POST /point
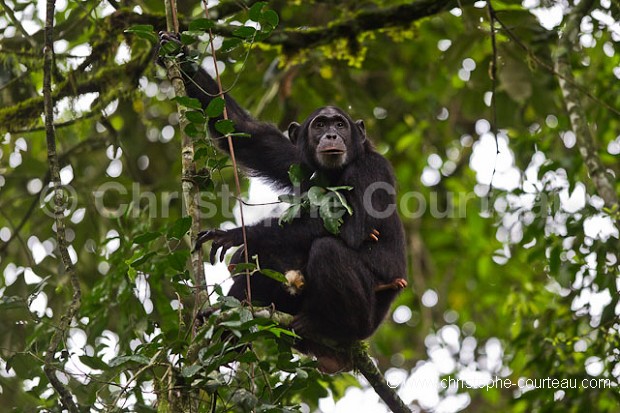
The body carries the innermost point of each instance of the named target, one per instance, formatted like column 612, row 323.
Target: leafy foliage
column 517, row 281
column 325, row 202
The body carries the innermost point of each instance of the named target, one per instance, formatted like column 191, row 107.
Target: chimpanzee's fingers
column 224, row 251
column 203, row 236
column 213, row 253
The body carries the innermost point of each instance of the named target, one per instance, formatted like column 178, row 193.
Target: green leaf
column 244, row 32
column 192, row 131
column 177, row 260
column 256, row 11
column 274, row 275
column 343, row 202
column 289, row 198
column 330, row 207
column 316, row 195
column 272, row 18
column 225, row 126
column 243, row 267
column 195, row 116
column 295, row 174
column 201, row 153
column 136, row 358
column 291, row 213
column 94, row 362
column 180, row 227
column 190, row 371
column 230, row 44
column 201, row 24
column 141, row 260
column 132, row 273
column 191, row 103
column 170, row 49
column 215, row 107
column 146, row 237
column 332, row 224
column 339, row 188
column 188, row 38
column 144, row 31
column 554, row 260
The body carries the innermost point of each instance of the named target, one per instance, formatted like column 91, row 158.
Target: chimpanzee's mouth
column 332, row 151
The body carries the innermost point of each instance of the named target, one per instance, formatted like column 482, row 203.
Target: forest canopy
column 501, row 120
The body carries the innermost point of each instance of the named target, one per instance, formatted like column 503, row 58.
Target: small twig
column 66, row 397
column 550, row 68
column 231, row 149
column 91, row 142
column 493, row 76
column 16, row 22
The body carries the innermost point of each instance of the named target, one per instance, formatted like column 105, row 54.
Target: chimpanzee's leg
column 339, row 301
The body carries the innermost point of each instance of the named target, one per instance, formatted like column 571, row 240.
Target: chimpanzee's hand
column 164, row 39
column 221, row 239
column 167, row 37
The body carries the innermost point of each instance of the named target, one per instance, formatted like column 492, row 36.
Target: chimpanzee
column 350, row 278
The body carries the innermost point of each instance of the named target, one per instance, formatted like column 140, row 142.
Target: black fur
column 341, row 272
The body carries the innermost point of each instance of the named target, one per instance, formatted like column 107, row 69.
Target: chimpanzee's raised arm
column 266, row 152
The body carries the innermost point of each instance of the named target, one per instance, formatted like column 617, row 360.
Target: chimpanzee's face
column 328, row 138
column 329, row 133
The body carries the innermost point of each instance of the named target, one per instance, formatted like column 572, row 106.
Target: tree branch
column 190, row 189
column 585, row 141
column 26, row 113
column 364, row 364
column 66, row 398
column 363, row 21
column 17, row 23
column 361, row 360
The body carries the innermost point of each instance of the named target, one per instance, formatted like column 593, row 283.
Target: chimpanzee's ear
column 362, row 128
column 293, row 132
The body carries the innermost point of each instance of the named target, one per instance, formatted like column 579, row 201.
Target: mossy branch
column 26, row 113
column 191, row 195
column 579, row 122
column 358, row 350
column 49, row 367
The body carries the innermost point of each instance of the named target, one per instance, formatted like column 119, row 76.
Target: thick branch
column 66, row 397
column 25, row 113
column 364, row 364
column 365, row 20
column 585, row 141
column 361, row 360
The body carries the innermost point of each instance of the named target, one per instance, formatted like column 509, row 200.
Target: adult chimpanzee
column 350, row 278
